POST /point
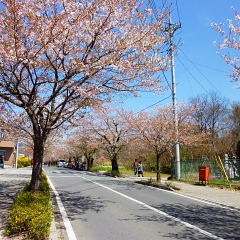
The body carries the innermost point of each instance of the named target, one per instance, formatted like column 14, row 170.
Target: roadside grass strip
column 66, row 221
column 157, row 211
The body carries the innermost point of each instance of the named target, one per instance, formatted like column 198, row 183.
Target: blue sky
column 199, row 69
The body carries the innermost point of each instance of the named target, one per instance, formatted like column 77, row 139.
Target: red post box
column 204, row 174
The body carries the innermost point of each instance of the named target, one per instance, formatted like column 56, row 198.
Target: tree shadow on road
column 78, row 205
column 221, row 222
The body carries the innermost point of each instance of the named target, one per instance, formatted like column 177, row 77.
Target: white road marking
column 171, row 192
column 196, row 199
column 157, row 211
column 66, row 221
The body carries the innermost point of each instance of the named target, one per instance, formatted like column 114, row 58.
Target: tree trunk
column 89, row 162
column 115, row 169
column 158, row 167
column 38, row 152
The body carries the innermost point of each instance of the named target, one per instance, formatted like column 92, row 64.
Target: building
column 8, row 151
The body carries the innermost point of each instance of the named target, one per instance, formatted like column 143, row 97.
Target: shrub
column 166, row 168
column 23, row 162
column 31, row 213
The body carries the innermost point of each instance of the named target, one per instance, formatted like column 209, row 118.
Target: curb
column 154, row 185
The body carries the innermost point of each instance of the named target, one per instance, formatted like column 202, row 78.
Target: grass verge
column 31, row 213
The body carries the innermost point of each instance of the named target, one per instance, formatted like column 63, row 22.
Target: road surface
column 97, row 207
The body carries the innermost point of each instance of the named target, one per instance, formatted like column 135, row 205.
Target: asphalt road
column 104, row 208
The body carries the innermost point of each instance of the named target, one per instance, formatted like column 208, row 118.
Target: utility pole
column 172, row 29
column 17, row 149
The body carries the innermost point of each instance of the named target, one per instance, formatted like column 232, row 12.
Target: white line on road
column 196, row 199
column 171, row 192
column 66, row 221
column 157, row 211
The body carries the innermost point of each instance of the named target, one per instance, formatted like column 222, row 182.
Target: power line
column 179, row 20
column 194, row 65
column 193, row 77
column 154, row 104
column 200, row 64
column 169, row 85
column 163, row 4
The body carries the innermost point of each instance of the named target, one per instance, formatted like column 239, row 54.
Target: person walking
column 140, row 169
column 135, row 167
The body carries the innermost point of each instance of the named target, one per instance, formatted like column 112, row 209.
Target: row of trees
column 116, row 131
column 209, row 125
column 60, row 58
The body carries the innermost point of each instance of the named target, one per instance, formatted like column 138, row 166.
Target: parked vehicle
column 2, row 161
column 65, row 164
column 60, row 163
column 71, row 165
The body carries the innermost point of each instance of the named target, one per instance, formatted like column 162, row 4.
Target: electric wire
column 169, row 85
column 179, row 19
column 154, row 104
column 193, row 77
column 163, row 4
column 204, row 76
column 200, row 64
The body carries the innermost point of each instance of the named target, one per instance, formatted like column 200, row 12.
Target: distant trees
column 208, row 126
column 234, row 134
column 82, row 143
column 210, row 110
column 116, row 131
column 112, row 132
column 156, row 129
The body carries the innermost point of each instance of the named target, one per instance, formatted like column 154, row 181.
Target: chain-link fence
column 190, row 169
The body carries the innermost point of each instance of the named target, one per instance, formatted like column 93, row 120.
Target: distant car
column 61, row 163
column 65, row 164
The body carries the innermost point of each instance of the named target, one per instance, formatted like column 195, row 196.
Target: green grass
column 123, row 171
column 146, row 174
column 31, row 213
column 216, row 182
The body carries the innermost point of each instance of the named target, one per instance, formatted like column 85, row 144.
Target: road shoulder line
column 66, row 221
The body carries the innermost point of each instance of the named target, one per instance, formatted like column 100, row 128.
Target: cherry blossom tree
column 231, row 43
column 157, row 130
column 59, row 57
column 112, row 132
column 83, row 143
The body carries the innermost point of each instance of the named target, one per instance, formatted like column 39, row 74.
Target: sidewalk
column 12, row 181
column 225, row 197
column 229, row 198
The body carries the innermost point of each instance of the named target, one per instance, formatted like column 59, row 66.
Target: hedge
column 31, row 213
